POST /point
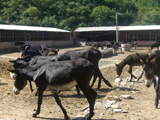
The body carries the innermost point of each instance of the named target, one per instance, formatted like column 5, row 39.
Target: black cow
column 60, row 75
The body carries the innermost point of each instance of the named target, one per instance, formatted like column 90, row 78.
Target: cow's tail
column 100, row 75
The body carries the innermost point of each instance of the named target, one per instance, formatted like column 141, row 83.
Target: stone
column 117, row 80
column 124, row 111
column 132, row 84
column 106, row 52
column 80, row 117
column 126, row 96
column 102, row 114
column 85, row 108
column 117, row 110
column 115, row 106
column 113, row 98
column 108, row 104
column 98, row 105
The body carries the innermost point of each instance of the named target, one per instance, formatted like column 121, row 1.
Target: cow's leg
column 60, row 104
column 40, row 96
column 157, row 91
column 90, row 94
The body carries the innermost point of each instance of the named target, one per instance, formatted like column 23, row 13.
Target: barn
column 52, row 37
column 143, row 35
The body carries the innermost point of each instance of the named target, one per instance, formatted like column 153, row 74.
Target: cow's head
column 20, row 81
column 150, row 66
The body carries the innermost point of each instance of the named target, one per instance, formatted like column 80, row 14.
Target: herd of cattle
column 54, row 72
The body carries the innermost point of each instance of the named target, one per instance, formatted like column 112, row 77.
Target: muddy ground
column 21, row 107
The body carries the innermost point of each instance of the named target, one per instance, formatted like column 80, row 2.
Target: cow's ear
column 154, row 60
column 13, row 71
column 143, row 60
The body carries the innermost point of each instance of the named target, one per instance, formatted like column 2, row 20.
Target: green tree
column 48, row 22
column 101, row 15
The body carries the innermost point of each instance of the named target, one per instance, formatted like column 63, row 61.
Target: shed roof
column 145, row 27
column 30, row 28
column 120, row 28
column 87, row 29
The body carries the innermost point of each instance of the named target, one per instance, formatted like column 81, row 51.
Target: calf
column 131, row 60
column 151, row 68
column 60, row 75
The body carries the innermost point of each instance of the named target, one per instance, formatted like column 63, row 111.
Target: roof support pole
column 117, row 26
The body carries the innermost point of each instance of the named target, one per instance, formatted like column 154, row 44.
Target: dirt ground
column 21, row 107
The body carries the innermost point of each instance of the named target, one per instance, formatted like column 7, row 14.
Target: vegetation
column 70, row 14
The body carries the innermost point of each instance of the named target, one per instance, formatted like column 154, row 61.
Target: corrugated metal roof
column 87, row 29
column 30, row 28
column 145, row 27
column 120, row 28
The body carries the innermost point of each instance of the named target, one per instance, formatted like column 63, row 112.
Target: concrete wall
column 49, row 43
column 144, row 43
